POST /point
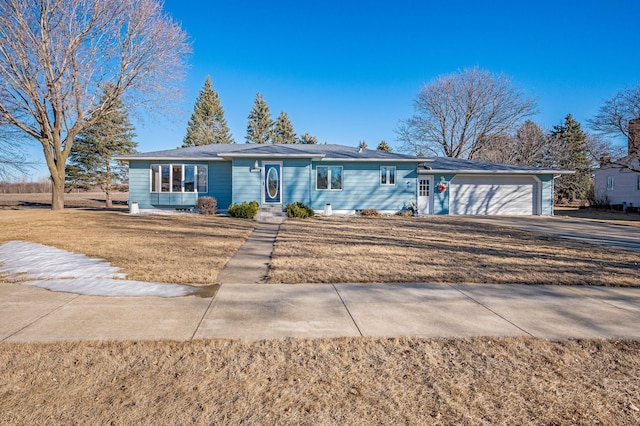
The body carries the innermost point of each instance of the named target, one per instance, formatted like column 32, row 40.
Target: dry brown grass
column 73, row 200
column 440, row 249
column 184, row 248
column 600, row 215
column 479, row 381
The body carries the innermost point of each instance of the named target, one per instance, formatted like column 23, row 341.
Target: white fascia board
column 174, row 159
column 314, row 157
column 374, row 160
column 496, row 172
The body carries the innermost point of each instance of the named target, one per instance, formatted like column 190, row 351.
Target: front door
column 272, row 183
column 425, row 186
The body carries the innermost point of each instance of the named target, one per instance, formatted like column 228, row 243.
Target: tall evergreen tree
column 573, row 155
column 283, row 130
column 384, row 146
column 207, row 124
column 91, row 160
column 259, row 126
column 308, row 139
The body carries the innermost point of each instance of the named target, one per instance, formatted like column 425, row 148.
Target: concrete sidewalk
column 259, row 311
column 250, row 264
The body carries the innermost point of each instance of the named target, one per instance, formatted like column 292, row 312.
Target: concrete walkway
column 250, row 264
column 259, row 311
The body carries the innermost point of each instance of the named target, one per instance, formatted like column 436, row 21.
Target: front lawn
column 179, row 248
column 440, row 249
column 347, row 381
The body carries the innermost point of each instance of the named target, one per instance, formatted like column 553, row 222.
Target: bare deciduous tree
column 457, row 113
column 615, row 119
column 12, row 159
column 57, row 57
column 530, row 146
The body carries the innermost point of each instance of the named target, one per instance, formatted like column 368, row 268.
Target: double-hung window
column 329, row 178
column 387, row 175
column 179, row 178
column 610, row 181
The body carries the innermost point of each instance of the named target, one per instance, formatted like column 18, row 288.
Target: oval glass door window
column 273, row 183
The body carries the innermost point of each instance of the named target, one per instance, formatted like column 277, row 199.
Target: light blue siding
column 246, row 184
column 296, row 181
column 361, row 188
column 139, row 183
column 441, row 199
column 218, row 186
column 547, row 195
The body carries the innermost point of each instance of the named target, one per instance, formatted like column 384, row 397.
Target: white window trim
column 388, row 175
column 610, row 183
column 182, row 167
column 328, row 188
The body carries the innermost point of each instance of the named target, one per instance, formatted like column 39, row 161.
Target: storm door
column 272, row 183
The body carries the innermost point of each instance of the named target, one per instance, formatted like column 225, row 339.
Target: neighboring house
column 618, row 182
column 346, row 178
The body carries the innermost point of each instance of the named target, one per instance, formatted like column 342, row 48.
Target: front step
column 271, row 215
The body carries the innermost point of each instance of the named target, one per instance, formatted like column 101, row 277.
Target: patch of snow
column 60, row 270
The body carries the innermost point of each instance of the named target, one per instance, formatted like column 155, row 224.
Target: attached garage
column 466, row 187
column 494, row 195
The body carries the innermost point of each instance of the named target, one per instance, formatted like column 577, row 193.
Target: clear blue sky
column 347, row 71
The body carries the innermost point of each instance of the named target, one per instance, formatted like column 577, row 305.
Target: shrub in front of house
column 244, row 210
column 299, row 209
column 207, row 205
column 405, row 213
column 370, row 213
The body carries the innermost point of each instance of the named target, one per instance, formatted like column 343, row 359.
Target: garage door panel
column 492, row 196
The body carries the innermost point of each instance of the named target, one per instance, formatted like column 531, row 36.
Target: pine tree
column 259, row 126
column 572, row 156
column 308, row 139
column 384, row 146
column 91, row 160
column 283, row 130
column 207, row 124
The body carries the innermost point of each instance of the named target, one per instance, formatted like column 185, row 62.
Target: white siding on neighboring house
column 617, row 186
column 494, row 195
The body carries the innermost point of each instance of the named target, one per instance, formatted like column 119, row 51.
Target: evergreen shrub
column 299, row 209
column 244, row 210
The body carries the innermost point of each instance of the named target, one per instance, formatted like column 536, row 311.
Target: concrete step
column 271, row 215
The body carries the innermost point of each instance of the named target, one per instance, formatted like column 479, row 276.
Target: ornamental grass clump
column 299, row 209
column 244, row 210
column 207, row 205
column 370, row 213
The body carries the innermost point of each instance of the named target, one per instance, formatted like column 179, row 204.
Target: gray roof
column 225, row 151
column 457, row 165
column 328, row 152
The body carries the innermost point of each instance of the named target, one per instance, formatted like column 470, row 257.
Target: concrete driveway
column 627, row 237
column 258, row 311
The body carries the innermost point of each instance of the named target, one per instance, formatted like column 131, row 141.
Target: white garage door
column 488, row 195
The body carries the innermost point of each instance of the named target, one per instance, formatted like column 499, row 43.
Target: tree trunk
column 57, row 193
column 107, row 186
